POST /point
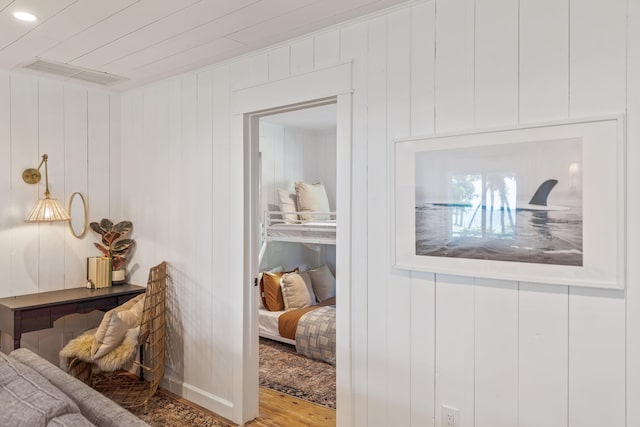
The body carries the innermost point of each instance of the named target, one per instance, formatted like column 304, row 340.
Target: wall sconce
column 47, row 209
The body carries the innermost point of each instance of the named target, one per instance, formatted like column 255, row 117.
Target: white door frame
column 247, row 105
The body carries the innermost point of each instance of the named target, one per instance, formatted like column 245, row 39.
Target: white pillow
column 109, row 335
column 114, row 326
column 312, row 198
column 288, row 204
column 323, row 282
column 296, row 291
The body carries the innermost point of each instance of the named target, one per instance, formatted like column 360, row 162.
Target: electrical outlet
column 450, row 416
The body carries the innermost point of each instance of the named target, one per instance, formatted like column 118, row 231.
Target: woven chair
column 127, row 392
column 130, row 394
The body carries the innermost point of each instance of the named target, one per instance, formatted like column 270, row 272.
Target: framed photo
column 539, row 203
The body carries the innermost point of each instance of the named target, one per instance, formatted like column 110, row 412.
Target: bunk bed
column 278, row 226
column 312, row 328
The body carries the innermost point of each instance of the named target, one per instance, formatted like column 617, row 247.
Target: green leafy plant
column 114, row 245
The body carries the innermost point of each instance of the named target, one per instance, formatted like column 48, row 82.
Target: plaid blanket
column 316, row 334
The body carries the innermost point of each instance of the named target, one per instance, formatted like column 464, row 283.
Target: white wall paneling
column 455, row 67
column 544, row 60
column 455, row 346
column 221, row 175
column 496, row 63
column 98, row 154
column 597, row 87
column 24, row 154
column 498, row 351
column 423, row 304
column 73, row 126
column 543, row 345
column 633, row 205
column 204, row 219
column 496, row 302
column 52, row 236
column 597, row 31
column 423, row 56
column 51, row 124
column 543, row 350
column 354, row 41
column 174, row 245
column 302, row 55
column 399, row 288
column 378, row 267
column 326, row 49
column 279, row 63
column 115, row 155
column 596, row 358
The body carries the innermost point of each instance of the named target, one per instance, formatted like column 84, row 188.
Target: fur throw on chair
column 81, row 356
column 76, row 359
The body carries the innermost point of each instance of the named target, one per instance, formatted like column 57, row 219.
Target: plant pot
column 118, row 277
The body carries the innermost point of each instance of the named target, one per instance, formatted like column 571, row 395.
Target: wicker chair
column 122, row 389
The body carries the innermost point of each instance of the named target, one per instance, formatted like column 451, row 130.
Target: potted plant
column 114, row 245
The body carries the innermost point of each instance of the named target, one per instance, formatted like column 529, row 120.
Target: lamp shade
column 47, row 210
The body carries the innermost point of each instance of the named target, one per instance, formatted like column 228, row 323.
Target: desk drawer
column 36, row 319
column 124, row 298
column 101, row 304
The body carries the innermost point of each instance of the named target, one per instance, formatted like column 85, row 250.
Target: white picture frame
column 463, row 203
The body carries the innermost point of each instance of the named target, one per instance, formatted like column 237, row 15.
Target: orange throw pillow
column 271, row 292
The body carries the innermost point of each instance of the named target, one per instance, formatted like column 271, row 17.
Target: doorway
column 297, row 174
column 311, row 89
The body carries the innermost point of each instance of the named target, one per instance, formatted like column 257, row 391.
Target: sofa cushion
column 70, row 420
column 28, row 399
column 94, row 406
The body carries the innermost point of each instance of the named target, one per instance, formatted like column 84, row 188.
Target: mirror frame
column 84, row 212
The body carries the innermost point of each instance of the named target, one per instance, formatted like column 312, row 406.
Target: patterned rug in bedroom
column 283, row 370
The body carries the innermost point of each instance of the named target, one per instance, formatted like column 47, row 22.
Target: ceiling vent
column 72, row 72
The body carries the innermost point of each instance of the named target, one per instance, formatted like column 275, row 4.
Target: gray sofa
column 33, row 392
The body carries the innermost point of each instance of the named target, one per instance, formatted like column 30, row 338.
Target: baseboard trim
column 200, row 397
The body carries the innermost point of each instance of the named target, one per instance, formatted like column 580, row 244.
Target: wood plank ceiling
column 147, row 40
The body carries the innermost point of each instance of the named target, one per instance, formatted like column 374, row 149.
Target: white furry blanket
column 75, row 357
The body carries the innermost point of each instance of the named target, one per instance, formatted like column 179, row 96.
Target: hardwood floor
column 278, row 409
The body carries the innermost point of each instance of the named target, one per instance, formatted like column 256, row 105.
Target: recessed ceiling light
column 24, row 16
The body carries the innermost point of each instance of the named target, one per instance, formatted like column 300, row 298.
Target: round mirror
column 78, row 212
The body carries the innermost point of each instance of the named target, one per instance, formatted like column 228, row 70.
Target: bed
column 299, row 308
column 304, row 217
column 276, row 229
column 268, row 325
column 312, row 329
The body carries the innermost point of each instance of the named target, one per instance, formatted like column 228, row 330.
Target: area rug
column 166, row 409
column 283, row 370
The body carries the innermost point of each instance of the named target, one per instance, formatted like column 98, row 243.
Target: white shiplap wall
column 290, row 154
column 504, row 353
column 80, row 131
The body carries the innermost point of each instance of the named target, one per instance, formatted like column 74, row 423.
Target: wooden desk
column 27, row 313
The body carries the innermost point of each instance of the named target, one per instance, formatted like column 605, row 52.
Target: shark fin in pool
column 542, row 193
